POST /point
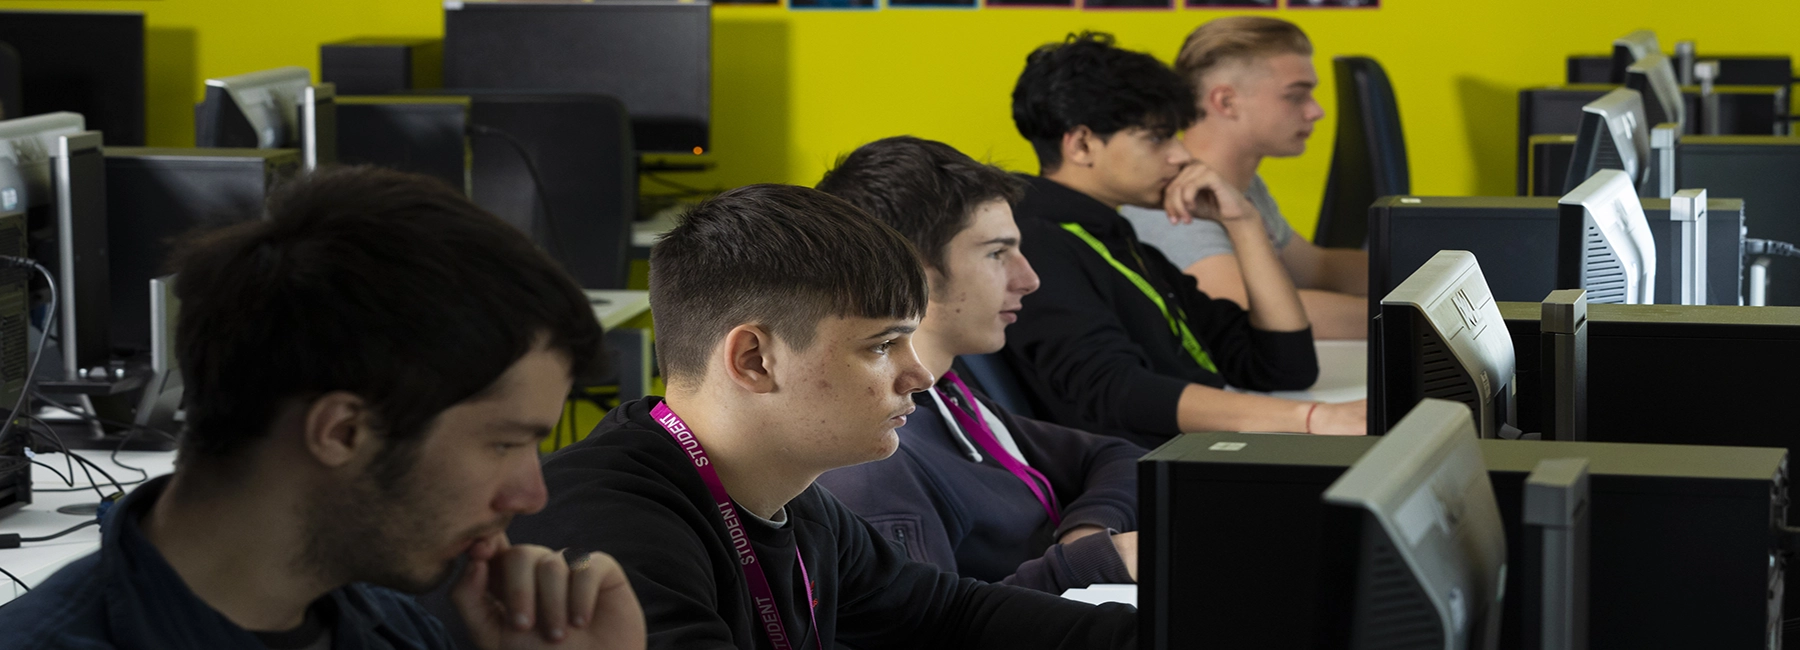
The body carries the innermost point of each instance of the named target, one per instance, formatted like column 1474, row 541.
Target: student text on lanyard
column 768, row 611
column 976, row 427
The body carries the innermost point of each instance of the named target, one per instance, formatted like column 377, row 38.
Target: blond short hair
column 1236, row 38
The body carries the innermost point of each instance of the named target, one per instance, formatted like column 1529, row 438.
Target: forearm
column 1346, row 272
column 1204, row 408
column 1273, row 303
column 1336, row 316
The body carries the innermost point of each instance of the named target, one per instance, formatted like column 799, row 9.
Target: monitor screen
column 1439, row 335
column 1431, row 551
column 1605, row 242
column 1613, row 135
column 655, row 56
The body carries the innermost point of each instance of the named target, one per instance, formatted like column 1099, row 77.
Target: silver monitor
column 1613, row 134
column 1628, row 49
column 279, row 108
column 1653, row 76
column 1604, row 242
column 1431, row 556
column 1441, row 336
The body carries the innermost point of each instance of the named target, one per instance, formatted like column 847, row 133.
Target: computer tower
column 156, row 196
column 374, row 65
column 1233, row 545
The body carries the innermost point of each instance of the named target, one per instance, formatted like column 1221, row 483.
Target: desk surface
column 36, row 562
column 614, row 307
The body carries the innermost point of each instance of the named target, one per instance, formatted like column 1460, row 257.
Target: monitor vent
column 1608, row 156
column 1605, row 275
column 1393, row 611
column 1441, row 376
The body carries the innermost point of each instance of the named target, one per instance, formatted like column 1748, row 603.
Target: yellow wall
column 792, row 89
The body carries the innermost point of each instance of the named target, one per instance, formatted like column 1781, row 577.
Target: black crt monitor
column 1653, row 77
column 1761, row 170
column 1554, row 561
column 160, row 194
column 422, row 134
column 1629, row 49
column 1613, row 135
column 86, row 62
column 1419, row 515
column 279, row 108
column 1604, row 243
column 65, row 180
column 655, row 56
column 1685, row 533
column 1438, row 335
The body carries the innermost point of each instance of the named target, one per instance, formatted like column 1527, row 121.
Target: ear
column 336, row 430
column 1221, row 99
column 748, row 360
column 1079, row 146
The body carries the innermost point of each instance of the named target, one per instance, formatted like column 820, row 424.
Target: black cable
column 1770, row 247
column 60, row 533
column 536, row 181
column 66, row 480
column 15, row 578
column 687, row 190
column 43, row 336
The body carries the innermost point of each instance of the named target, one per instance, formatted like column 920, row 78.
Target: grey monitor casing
column 1432, row 565
column 270, row 101
column 1604, row 241
column 1653, row 76
column 1441, row 336
column 160, row 405
column 1630, row 48
column 1555, row 555
column 1614, row 134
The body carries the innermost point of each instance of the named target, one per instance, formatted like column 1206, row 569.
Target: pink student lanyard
column 767, row 612
column 977, row 428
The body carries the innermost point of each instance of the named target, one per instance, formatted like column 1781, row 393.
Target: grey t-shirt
column 1186, row 244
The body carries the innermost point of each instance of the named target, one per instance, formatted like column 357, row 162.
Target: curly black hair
column 1086, row 80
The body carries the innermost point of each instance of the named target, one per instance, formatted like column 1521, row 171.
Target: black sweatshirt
column 1099, row 356
column 629, row 490
column 979, row 520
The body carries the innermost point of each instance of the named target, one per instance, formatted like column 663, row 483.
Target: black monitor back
column 581, row 145
column 655, row 56
column 1746, row 70
column 420, row 134
column 1514, row 239
column 156, row 196
column 1765, row 173
column 87, row 62
column 1744, row 110
column 1681, row 535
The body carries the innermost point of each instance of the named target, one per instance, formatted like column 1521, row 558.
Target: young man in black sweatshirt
column 784, row 320
column 1117, row 340
column 976, row 489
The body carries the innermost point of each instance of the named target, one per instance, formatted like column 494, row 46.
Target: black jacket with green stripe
column 1097, row 354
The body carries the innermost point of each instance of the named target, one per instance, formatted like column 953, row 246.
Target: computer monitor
column 1554, row 564
column 1612, row 135
column 414, row 133
column 85, row 62
column 279, row 108
column 1628, row 49
column 1430, row 549
column 1653, row 76
column 1761, row 171
column 1604, row 243
column 655, row 56
column 65, row 190
column 1439, row 335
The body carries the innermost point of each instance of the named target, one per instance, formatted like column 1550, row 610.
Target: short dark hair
column 925, row 189
column 1087, row 81
column 779, row 256
column 387, row 285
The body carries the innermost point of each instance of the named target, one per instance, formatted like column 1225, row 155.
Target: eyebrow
column 520, row 426
column 1009, row 241
column 895, row 329
column 1303, row 84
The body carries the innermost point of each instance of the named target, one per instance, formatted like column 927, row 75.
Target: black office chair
column 993, row 376
column 11, row 92
column 1368, row 160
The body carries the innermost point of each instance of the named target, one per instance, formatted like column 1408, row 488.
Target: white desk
column 1343, row 374
column 614, row 307
column 36, row 562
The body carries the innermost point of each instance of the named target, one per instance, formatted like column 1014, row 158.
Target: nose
column 1314, row 111
column 1024, row 278
column 913, row 376
column 1178, row 154
column 523, row 491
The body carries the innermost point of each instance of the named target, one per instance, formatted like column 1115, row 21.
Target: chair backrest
column 992, row 375
column 1368, row 160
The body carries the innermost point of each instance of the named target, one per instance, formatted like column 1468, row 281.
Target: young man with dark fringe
column 1117, row 340
column 1253, row 81
column 784, row 321
column 368, row 372
column 974, row 488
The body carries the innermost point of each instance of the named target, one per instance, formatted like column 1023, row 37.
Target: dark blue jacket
column 126, row 596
